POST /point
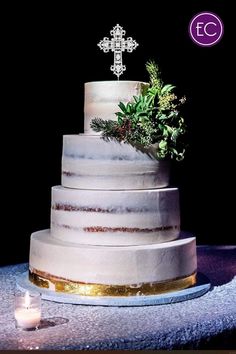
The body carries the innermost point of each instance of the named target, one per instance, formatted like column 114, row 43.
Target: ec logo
column 206, row 29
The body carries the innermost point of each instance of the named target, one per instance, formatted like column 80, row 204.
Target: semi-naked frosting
column 102, row 98
column 112, row 265
column 115, row 224
column 89, row 162
column 100, row 217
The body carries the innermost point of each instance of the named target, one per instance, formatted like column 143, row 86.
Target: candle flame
column 27, row 299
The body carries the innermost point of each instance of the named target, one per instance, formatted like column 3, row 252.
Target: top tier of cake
column 102, row 98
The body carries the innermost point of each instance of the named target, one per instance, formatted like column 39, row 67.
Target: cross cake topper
column 117, row 44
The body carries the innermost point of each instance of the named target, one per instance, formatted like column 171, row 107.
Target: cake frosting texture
column 115, row 222
column 103, row 217
column 102, row 98
column 89, row 162
column 112, row 265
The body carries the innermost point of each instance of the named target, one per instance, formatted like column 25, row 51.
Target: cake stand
column 200, row 288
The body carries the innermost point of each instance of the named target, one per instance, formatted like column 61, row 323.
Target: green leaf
column 163, row 117
column 162, row 144
column 166, row 89
column 120, row 114
column 122, row 106
column 173, row 114
column 120, row 120
column 175, row 134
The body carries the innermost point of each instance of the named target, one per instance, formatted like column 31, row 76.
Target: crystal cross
column 117, row 44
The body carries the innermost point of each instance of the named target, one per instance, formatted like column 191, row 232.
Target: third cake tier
column 129, row 217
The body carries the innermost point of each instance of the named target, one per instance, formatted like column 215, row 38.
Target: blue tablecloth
column 205, row 322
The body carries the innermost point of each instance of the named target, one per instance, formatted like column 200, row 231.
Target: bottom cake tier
column 89, row 270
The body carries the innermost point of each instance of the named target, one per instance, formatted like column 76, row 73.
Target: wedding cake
column 115, row 222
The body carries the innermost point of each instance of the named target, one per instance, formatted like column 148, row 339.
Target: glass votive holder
column 27, row 310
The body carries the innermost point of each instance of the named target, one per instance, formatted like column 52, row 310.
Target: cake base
column 200, row 288
column 112, row 265
column 48, row 281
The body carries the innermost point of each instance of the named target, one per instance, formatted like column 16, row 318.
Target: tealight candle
column 28, row 311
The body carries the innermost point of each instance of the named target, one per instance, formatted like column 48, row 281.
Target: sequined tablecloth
column 205, row 322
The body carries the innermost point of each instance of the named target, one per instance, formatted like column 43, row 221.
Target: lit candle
column 28, row 311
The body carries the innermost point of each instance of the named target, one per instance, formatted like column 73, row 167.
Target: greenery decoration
column 151, row 120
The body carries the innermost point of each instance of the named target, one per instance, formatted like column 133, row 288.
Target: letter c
column 205, row 29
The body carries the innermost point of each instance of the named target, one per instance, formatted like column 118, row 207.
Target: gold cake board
column 104, row 295
column 44, row 280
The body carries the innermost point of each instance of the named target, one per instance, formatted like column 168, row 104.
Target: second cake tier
column 129, row 217
column 89, row 162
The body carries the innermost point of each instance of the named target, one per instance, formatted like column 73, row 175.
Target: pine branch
column 109, row 128
column 98, row 124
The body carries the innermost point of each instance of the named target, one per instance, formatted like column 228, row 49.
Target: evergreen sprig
column 151, row 119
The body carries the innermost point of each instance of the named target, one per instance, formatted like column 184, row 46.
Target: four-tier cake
column 115, row 222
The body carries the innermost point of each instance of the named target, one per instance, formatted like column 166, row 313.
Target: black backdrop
column 52, row 50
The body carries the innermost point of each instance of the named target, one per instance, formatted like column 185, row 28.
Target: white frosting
column 113, row 265
column 102, row 99
column 101, row 217
column 113, row 227
column 89, row 162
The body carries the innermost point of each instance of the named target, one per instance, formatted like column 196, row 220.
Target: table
column 205, row 322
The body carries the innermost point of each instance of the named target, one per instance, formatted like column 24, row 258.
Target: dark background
column 52, row 50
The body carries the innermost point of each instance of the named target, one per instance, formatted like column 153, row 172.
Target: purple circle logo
column 206, row 29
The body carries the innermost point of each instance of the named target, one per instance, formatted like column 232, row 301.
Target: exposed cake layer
column 102, row 98
column 99, row 217
column 126, row 265
column 89, row 162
